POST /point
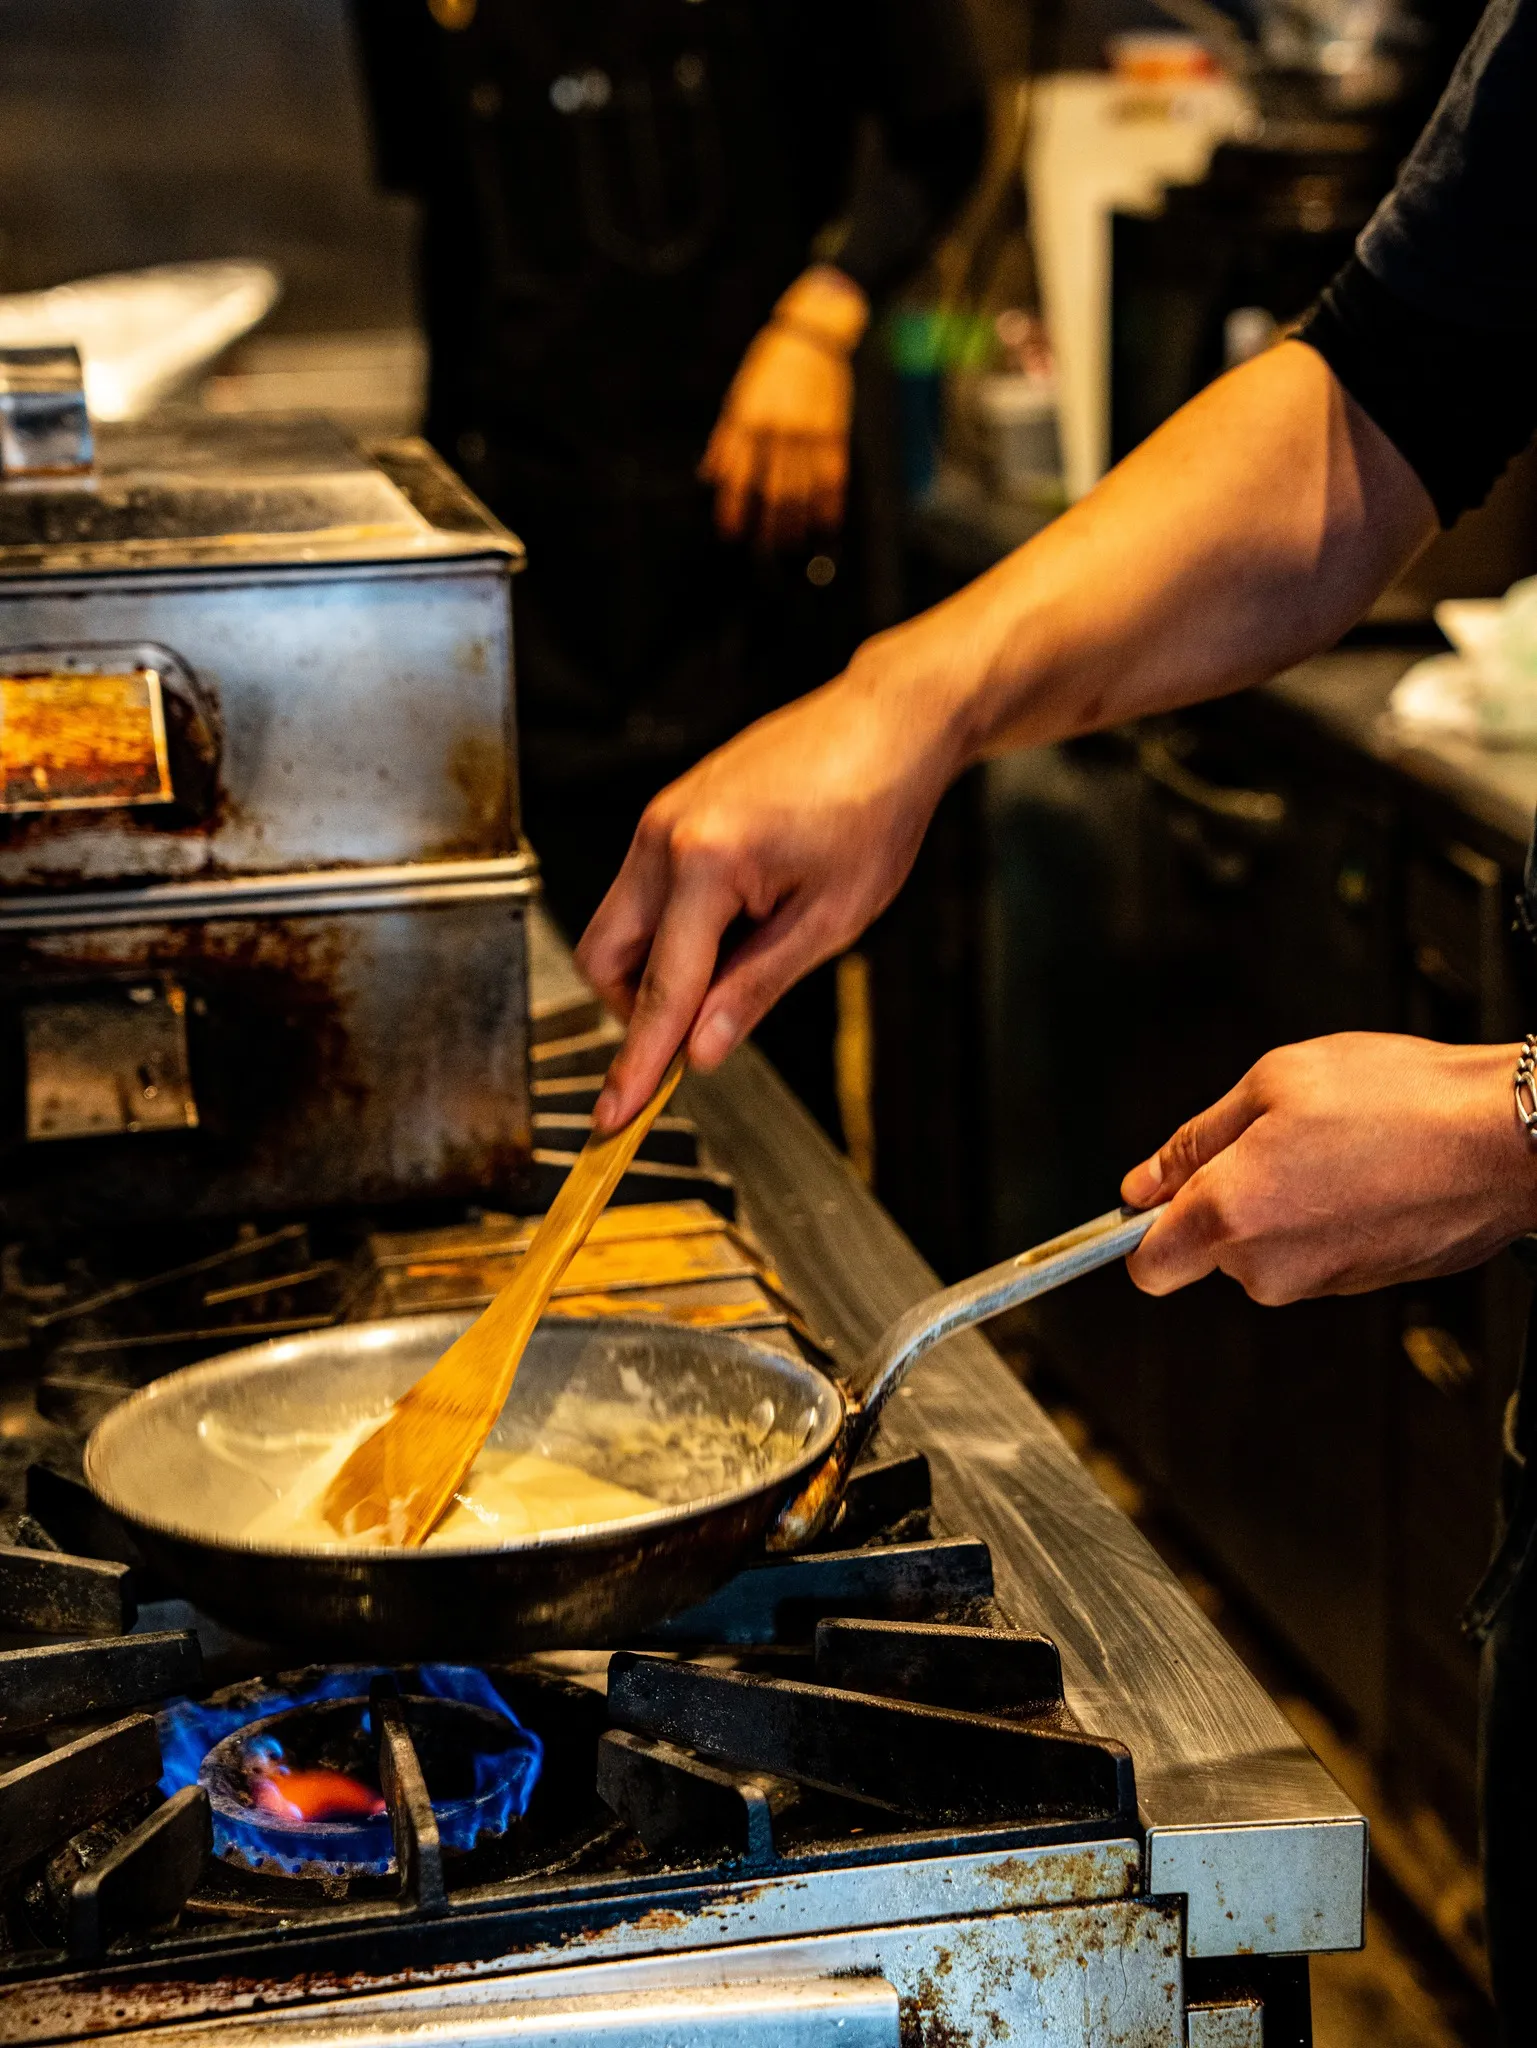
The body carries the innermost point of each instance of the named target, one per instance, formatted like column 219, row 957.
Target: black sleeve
column 1432, row 326
column 1456, row 401
column 394, row 40
column 925, row 92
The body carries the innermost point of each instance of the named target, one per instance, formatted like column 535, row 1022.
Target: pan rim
column 581, row 1536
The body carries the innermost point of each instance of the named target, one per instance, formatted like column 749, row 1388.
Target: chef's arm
column 1249, row 531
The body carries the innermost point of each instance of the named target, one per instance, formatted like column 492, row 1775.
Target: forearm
column 1248, row 532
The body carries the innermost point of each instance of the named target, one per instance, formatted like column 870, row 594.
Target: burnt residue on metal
column 60, row 1595
column 267, row 1031
column 198, row 805
column 478, row 769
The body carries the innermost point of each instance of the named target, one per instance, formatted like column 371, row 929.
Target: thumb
column 1192, row 1145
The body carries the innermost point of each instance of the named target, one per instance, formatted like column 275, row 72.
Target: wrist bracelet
column 817, row 336
column 1526, row 1086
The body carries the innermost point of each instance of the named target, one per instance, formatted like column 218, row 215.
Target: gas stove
column 974, row 1770
column 843, row 1799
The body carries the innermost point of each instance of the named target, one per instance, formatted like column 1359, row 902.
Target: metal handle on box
column 45, row 429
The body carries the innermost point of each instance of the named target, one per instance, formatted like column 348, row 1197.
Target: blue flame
column 504, row 1778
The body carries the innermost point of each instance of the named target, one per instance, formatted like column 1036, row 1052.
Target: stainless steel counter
column 1239, row 1815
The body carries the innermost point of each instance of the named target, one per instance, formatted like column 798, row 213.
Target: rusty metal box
column 261, row 880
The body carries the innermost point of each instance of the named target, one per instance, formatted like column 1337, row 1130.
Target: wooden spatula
column 399, row 1481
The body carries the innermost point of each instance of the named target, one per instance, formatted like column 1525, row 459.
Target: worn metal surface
column 56, row 1594
column 42, row 1802
column 1240, row 2023
column 930, row 1762
column 70, row 1681
column 218, row 1441
column 361, row 1055
column 145, row 1879
column 351, row 660
column 778, row 2012
column 694, row 1928
column 1140, row 1661
column 785, row 1599
column 1076, row 1976
column 108, row 1064
column 413, row 1824
column 1254, row 1891
column 975, row 1670
column 678, row 1803
column 512, row 878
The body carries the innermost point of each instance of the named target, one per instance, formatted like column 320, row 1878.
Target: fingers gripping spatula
column 399, row 1482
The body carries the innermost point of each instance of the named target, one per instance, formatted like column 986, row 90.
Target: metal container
column 261, row 881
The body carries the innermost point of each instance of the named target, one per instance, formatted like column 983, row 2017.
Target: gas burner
column 292, row 1770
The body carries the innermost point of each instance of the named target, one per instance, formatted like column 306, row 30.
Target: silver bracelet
column 1526, row 1085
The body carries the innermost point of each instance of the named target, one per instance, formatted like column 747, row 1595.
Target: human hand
column 806, row 824
column 779, row 455
column 1340, row 1165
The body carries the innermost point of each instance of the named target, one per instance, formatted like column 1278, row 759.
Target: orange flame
column 315, row 1795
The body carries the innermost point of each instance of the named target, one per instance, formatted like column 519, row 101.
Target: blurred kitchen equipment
column 45, row 429
column 1018, row 419
column 1486, row 689
column 734, row 1438
column 403, row 1477
column 261, row 882
column 142, row 334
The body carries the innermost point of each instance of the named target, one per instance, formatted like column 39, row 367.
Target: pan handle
column 1109, row 1237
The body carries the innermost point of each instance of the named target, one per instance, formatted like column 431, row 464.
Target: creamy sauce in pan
column 508, row 1495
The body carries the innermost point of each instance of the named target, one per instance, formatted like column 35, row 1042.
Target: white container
column 1018, row 417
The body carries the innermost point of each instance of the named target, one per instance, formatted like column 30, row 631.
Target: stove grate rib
column 413, row 1824
column 931, row 1763
column 52, row 1593
column 679, row 1805
column 44, row 1802
column 145, row 1879
column 70, row 1681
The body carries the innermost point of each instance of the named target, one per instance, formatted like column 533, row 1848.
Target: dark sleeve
column 394, row 40
column 925, row 92
column 1432, row 326
column 1456, row 401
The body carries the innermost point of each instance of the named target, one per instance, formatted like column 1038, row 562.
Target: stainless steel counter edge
column 419, row 885
column 1268, row 1850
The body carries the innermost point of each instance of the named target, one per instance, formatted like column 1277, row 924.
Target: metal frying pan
column 740, row 1444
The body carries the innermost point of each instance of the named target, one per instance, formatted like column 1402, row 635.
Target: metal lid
column 195, row 492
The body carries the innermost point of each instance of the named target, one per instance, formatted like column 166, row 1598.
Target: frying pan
column 740, row 1444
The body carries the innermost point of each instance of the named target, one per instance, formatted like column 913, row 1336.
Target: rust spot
column 660, row 1920
column 477, row 767
column 924, row 2022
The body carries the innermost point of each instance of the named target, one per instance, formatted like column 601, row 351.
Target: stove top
column 849, row 1799
column 863, row 1716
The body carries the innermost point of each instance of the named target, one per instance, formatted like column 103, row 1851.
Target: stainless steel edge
column 1213, row 1753
column 784, row 2012
column 407, row 887
column 1263, row 1890
column 1103, row 1975
column 1234, row 2023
